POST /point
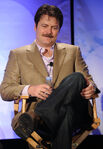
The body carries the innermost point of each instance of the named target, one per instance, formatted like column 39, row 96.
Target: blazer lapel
column 59, row 56
column 35, row 57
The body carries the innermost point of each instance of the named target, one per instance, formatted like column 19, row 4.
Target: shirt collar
column 41, row 49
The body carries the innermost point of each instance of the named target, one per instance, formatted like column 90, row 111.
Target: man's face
column 47, row 31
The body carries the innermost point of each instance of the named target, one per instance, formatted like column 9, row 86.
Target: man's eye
column 55, row 27
column 44, row 25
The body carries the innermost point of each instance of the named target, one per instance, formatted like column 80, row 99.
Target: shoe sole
column 24, row 127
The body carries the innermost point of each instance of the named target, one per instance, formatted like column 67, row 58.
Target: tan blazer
column 25, row 67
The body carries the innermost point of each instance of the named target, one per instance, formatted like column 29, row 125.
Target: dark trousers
column 65, row 110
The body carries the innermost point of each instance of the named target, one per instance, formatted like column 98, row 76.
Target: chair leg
column 77, row 140
column 36, row 141
column 33, row 143
column 36, row 137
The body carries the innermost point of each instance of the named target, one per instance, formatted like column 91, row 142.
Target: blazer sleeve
column 10, row 88
column 81, row 66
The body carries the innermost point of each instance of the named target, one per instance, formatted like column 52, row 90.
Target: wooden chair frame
column 36, row 141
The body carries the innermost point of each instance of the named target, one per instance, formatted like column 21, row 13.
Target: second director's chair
column 38, row 143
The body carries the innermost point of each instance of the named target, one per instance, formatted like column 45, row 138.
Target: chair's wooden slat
column 96, row 120
column 23, row 105
column 36, row 137
column 24, row 98
column 16, row 106
column 33, row 143
column 94, row 109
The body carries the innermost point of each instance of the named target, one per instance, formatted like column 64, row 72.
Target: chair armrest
column 96, row 120
column 16, row 104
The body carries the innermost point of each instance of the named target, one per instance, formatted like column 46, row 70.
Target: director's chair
column 38, row 143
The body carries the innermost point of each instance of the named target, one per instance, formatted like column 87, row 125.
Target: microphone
column 51, row 64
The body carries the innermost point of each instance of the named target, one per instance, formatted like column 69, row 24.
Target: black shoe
column 25, row 125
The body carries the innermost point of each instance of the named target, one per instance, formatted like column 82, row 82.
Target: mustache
column 48, row 35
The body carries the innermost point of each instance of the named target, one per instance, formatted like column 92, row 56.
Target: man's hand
column 88, row 91
column 41, row 91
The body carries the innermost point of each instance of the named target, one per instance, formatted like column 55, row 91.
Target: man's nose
column 49, row 30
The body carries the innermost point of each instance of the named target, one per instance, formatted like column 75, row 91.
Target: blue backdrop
column 17, row 29
column 88, row 34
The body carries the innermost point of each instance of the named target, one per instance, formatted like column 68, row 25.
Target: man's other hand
column 89, row 91
column 41, row 91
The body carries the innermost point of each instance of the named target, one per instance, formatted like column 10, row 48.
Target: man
column 54, row 112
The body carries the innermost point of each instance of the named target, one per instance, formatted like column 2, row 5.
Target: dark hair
column 49, row 10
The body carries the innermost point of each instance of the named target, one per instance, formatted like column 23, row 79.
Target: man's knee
column 74, row 76
column 73, row 79
column 77, row 75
